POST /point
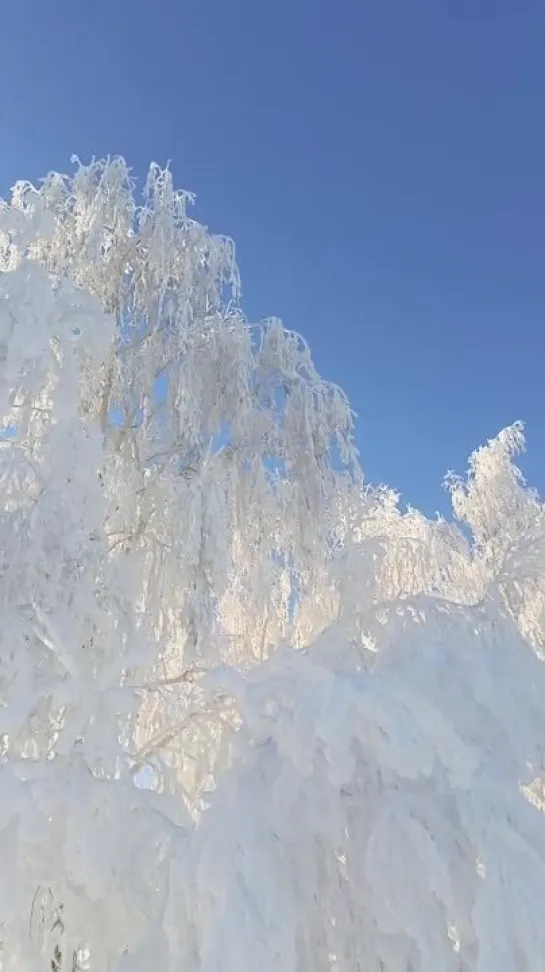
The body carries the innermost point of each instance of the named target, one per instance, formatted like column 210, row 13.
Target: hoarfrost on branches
column 252, row 712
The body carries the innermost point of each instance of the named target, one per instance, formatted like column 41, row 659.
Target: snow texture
column 253, row 714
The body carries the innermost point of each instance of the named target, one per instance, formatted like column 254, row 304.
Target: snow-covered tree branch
column 252, row 712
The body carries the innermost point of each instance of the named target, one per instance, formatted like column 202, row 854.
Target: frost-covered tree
column 373, row 819
column 217, row 437
column 166, row 474
column 507, row 522
column 72, row 869
column 205, row 608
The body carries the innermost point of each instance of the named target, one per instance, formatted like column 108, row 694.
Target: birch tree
column 337, row 703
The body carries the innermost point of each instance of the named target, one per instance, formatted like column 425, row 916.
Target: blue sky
column 380, row 165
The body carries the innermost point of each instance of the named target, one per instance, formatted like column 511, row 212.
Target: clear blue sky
column 379, row 163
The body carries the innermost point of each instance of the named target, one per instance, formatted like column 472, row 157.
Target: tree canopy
column 253, row 713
